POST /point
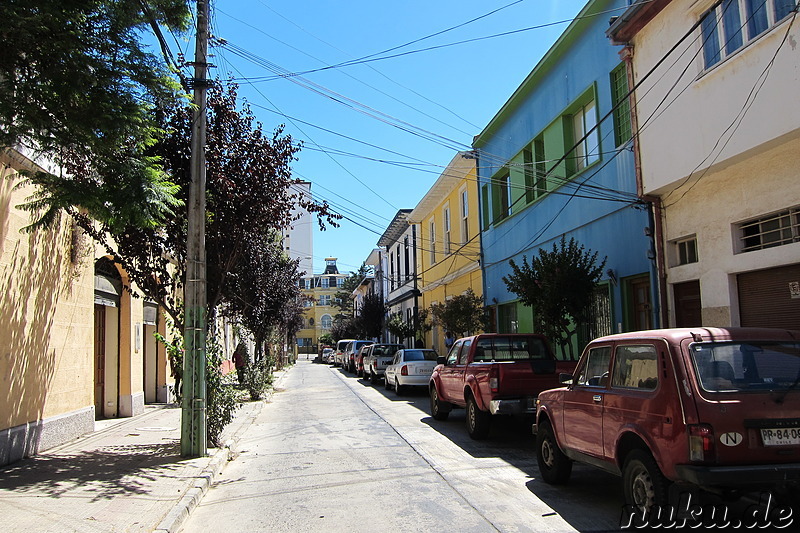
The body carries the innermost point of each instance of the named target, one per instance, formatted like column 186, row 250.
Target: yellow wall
column 46, row 313
column 449, row 274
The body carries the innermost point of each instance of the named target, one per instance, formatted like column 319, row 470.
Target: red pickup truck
column 715, row 408
column 493, row 373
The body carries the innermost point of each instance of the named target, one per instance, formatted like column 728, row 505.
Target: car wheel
column 372, row 377
column 554, row 466
column 477, row 421
column 643, row 483
column 439, row 409
column 398, row 389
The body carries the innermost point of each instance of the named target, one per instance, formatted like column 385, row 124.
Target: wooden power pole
column 193, row 419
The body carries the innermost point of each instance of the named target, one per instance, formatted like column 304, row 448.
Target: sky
column 382, row 95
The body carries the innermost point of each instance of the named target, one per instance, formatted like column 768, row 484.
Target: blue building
column 557, row 160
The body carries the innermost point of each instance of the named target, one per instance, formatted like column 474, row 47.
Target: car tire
column 554, row 466
column 478, row 421
column 643, row 483
column 398, row 389
column 439, row 410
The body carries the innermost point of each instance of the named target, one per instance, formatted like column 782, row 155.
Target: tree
column 249, row 198
column 371, row 316
column 78, row 86
column 343, row 299
column 558, row 285
column 460, row 314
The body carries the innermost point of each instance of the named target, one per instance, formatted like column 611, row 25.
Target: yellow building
column 320, row 292
column 74, row 346
column 448, row 258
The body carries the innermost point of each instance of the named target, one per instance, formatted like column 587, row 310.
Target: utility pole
column 193, row 419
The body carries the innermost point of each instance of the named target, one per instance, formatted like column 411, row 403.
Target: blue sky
column 377, row 134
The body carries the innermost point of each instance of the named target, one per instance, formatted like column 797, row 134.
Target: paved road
column 332, row 453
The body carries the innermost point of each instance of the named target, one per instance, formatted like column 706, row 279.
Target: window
column 635, row 367
column 686, row 251
column 595, row 371
column 771, row 230
column 502, row 197
column 485, row 218
column 325, row 299
column 621, row 103
column 308, row 303
column 446, row 231
column 432, row 240
column 464, row 217
column 584, row 134
column 530, row 175
column 325, row 283
column 326, row 322
column 731, row 24
column 340, row 282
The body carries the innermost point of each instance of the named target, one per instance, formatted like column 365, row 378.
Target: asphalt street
column 332, row 453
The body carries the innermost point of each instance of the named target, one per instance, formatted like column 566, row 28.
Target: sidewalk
column 126, row 476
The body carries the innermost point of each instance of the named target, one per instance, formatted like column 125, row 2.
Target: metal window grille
column 773, row 230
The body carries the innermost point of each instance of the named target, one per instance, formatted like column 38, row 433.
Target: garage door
column 770, row 298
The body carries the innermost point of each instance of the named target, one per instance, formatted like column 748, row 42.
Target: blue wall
column 583, row 58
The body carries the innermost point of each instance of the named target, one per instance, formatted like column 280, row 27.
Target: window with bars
column 769, row 231
column 731, row 24
column 621, row 103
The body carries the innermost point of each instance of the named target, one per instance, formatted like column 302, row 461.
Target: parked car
column 360, row 360
column 710, row 408
column 493, row 374
column 338, row 355
column 411, row 367
column 327, row 355
column 349, row 357
column 377, row 359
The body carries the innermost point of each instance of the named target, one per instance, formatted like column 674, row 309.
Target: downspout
column 656, row 211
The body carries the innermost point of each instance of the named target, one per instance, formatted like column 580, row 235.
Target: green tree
column 343, row 299
column 78, row 86
column 558, row 285
column 372, row 316
column 460, row 314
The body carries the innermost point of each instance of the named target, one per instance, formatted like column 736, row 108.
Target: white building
column 298, row 240
column 718, row 140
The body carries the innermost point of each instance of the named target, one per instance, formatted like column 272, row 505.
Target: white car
column 411, row 367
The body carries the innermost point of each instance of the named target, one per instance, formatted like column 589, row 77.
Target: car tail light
column 494, row 381
column 701, row 443
column 404, row 370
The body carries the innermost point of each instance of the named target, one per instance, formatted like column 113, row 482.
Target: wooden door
column 99, row 359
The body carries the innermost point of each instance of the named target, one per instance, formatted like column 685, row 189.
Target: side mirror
column 566, row 379
column 441, row 360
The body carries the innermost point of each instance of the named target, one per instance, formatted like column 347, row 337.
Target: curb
column 175, row 518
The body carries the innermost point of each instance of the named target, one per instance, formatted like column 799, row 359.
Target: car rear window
column 746, row 366
column 386, row 350
column 419, row 355
column 510, row 349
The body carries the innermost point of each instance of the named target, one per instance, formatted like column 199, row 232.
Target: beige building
column 449, row 245
column 718, row 144
column 75, row 346
column 320, row 292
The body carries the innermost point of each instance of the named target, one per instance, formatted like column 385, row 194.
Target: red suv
column 715, row 408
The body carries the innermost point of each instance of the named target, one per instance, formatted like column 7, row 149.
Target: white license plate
column 781, row 437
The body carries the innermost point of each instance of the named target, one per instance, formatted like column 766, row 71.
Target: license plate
column 781, row 437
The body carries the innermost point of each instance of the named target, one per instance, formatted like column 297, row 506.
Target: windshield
column 746, row 366
column 419, row 355
column 500, row 348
